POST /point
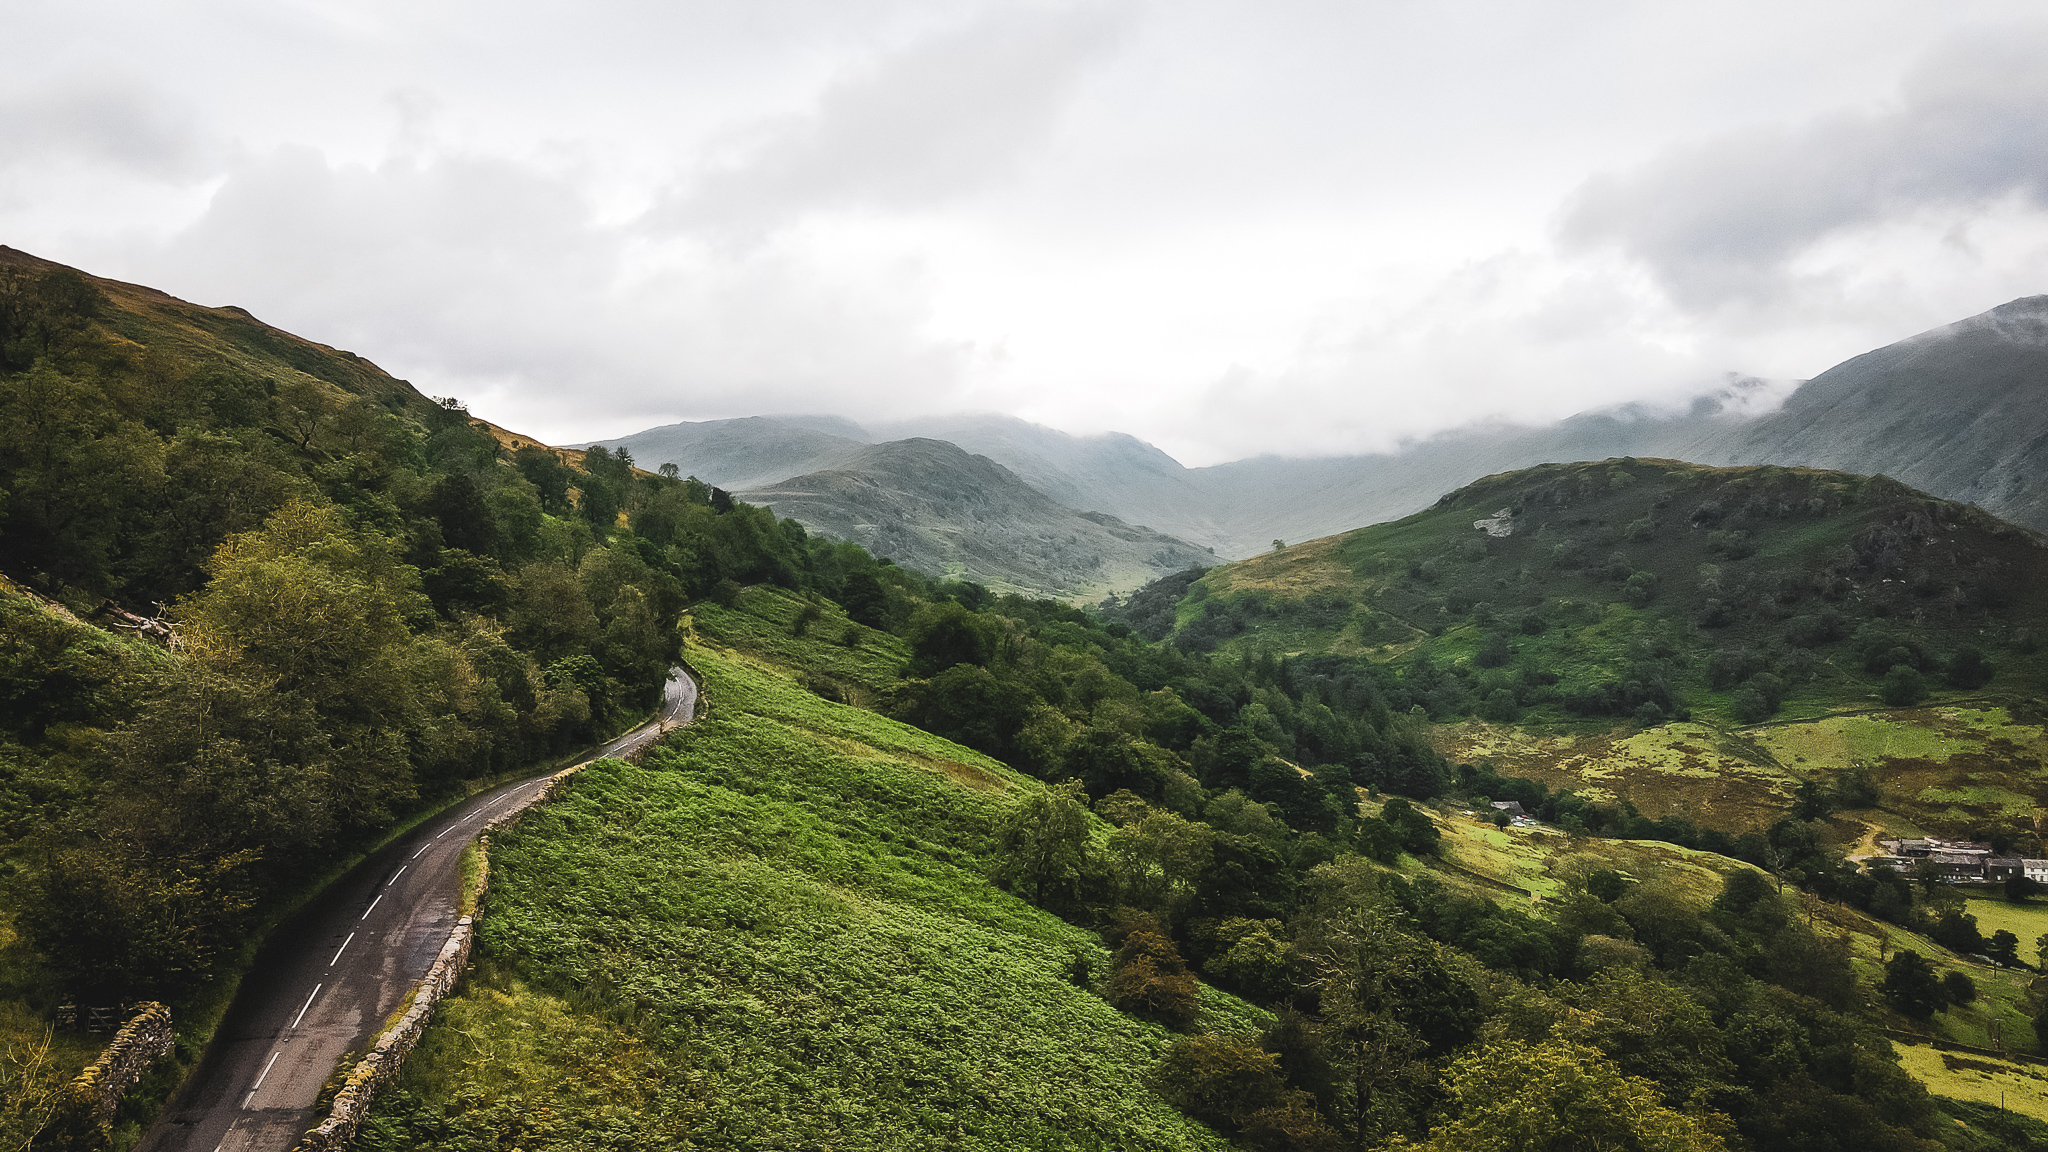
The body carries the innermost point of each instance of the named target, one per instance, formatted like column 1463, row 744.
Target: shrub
column 1959, row 988
column 1640, row 588
column 1903, row 685
column 1493, row 651
column 1237, row 1087
column 1823, row 627
column 1969, row 669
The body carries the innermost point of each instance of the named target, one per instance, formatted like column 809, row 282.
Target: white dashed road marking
column 309, row 1003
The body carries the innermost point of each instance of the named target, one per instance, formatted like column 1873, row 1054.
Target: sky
column 1301, row 227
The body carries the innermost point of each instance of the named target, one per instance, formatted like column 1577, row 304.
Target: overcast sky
column 1292, row 226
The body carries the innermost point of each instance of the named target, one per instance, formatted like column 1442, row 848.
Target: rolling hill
column 934, row 507
column 1653, row 628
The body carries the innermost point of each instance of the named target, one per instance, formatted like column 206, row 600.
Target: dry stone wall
column 387, row 1055
column 93, row 1094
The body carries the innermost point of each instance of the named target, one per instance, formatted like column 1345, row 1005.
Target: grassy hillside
column 778, row 933
column 1589, row 557
column 1695, row 640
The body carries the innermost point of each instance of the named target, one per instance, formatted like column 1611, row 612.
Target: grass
column 853, row 662
column 2027, row 921
column 1943, row 770
column 471, row 864
column 1704, row 772
column 777, row 933
column 2021, row 1088
column 1528, row 857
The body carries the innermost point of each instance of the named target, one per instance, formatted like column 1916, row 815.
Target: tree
column 1154, row 861
column 1417, row 832
column 1386, row 1002
column 1238, row 1088
column 1254, row 957
column 2018, row 887
column 465, row 519
column 1911, row 986
column 1558, row 1096
column 1043, row 846
column 1969, row 669
column 1810, row 801
column 943, row 635
column 1855, row 787
column 1149, row 979
column 1749, row 706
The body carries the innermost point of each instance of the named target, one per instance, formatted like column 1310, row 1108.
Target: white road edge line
column 309, row 1004
column 371, row 908
column 396, row 875
column 423, row 848
column 340, row 950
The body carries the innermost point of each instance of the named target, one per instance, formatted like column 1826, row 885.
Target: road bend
column 327, row 980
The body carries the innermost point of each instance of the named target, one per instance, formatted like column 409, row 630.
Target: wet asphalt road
column 329, row 977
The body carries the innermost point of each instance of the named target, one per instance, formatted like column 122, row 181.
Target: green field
column 2021, row 1088
column 2027, row 921
column 777, row 934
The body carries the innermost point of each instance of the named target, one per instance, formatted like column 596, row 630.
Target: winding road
column 330, row 976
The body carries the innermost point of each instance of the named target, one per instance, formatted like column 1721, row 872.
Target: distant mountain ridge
column 1959, row 411
column 932, row 506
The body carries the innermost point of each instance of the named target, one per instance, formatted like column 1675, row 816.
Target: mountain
column 934, row 507
column 748, row 452
column 1961, row 411
column 1658, row 623
column 1111, row 472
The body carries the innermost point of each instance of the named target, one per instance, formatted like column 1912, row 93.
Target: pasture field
column 1942, row 770
column 2027, row 921
column 2018, row 1087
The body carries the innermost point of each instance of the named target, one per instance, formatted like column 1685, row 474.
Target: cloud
column 1517, row 338
column 496, row 280
column 1722, row 221
column 108, row 120
column 952, row 114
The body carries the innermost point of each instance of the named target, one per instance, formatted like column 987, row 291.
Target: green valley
column 1524, row 813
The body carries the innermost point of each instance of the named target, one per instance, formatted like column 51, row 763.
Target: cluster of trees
column 1405, row 1009
column 1239, row 855
column 372, row 601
